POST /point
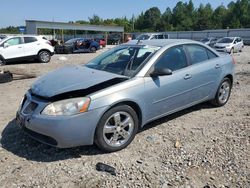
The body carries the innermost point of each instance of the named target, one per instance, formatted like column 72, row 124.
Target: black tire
column 100, row 136
column 6, row 77
column 44, row 56
column 93, row 49
column 216, row 101
column 2, row 61
column 241, row 49
column 232, row 51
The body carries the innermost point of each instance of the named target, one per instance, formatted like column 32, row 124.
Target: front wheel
column 93, row 49
column 44, row 56
column 223, row 93
column 232, row 51
column 116, row 129
column 2, row 61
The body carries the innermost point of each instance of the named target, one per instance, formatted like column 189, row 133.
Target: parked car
column 114, row 39
column 2, row 37
column 149, row 36
column 107, row 100
column 210, row 41
column 101, row 41
column 77, row 45
column 16, row 48
column 229, row 44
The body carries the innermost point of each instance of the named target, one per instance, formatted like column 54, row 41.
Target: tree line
column 183, row 17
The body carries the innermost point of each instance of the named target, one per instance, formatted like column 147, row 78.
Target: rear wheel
column 6, row 77
column 116, row 129
column 241, row 49
column 223, row 93
column 44, row 56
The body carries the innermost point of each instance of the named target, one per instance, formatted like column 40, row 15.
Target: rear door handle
column 187, row 76
column 20, row 47
column 217, row 66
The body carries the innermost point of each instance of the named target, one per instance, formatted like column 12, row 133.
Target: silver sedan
column 107, row 100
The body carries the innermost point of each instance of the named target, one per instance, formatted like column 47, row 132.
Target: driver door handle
column 187, row 76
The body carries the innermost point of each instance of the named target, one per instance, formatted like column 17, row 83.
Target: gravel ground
column 199, row 147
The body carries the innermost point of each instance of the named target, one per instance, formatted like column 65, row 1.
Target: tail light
column 48, row 42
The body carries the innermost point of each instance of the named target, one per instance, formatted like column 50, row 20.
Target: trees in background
column 183, row 17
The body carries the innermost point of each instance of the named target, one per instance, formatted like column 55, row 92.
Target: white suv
column 149, row 36
column 15, row 48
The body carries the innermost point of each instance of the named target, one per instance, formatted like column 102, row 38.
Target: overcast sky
column 15, row 12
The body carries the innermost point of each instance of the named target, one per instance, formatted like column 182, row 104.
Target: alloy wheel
column 118, row 129
column 44, row 56
column 224, row 92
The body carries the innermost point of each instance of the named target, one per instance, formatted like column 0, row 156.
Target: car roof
column 11, row 36
column 230, row 37
column 165, row 42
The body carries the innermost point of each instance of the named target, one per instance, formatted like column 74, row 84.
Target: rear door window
column 160, row 37
column 29, row 39
column 166, row 36
column 211, row 55
column 198, row 54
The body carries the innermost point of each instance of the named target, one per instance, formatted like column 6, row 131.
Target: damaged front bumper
column 58, row 131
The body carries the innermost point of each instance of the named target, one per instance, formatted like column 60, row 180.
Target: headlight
column 67, row 107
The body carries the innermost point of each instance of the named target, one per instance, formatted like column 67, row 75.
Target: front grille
column 30, row 108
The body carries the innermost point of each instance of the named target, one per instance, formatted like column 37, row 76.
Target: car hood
column 222, row 44
column 70, row 78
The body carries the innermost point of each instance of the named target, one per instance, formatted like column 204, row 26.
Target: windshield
column 225, row 40
column 142, row 37
column 122, row 60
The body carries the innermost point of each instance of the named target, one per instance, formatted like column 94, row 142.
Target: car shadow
column 16, row 141
column 19, row 143
column 205, row 105
column 23, row 62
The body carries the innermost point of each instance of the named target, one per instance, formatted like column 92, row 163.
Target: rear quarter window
column 198, row 54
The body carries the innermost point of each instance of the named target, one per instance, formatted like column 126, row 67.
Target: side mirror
column 6, row 45
column 161, row 72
